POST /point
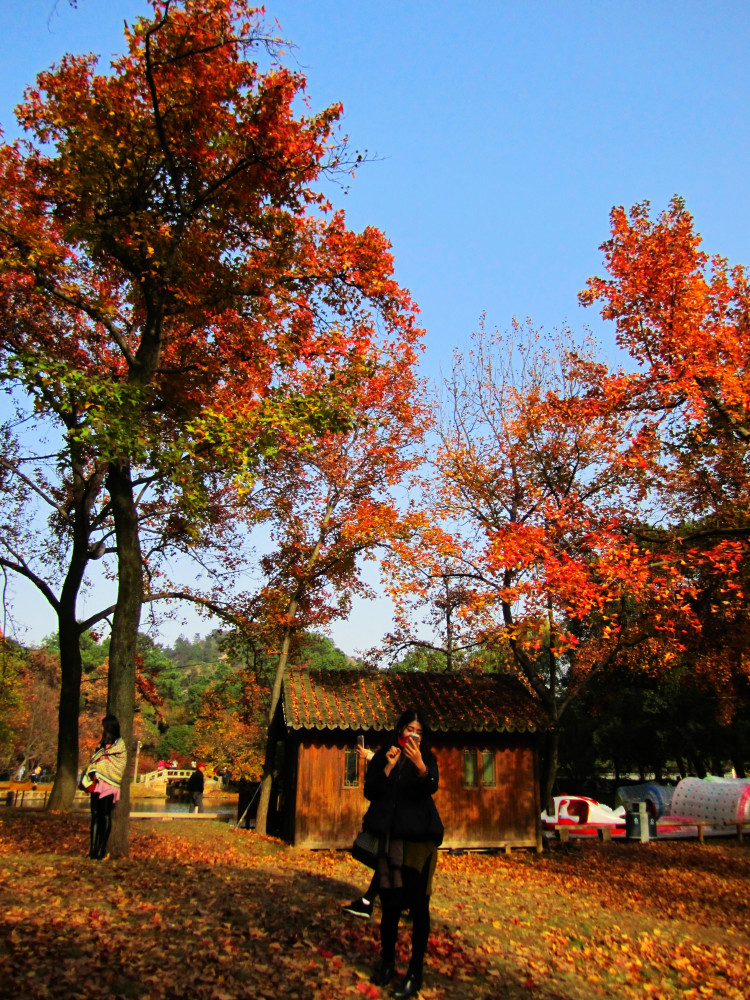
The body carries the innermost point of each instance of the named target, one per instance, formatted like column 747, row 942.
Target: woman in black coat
column 401, row 779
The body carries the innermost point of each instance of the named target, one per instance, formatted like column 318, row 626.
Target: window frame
column 476, row 763
column 470, row 765
column 488, row 756
column 351, row 768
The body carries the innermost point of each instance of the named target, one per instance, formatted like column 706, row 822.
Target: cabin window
column 470, row 768
column 488, row 769
column 479, row 768
column 351, row 769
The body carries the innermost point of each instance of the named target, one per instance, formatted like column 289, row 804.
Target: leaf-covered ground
column 200, row 911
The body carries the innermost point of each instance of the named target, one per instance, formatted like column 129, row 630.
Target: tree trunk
column 123, row 644
column 448, row 627
column 548, row 774
column 261, row 819
column 69, row 635
column 66, row 778
column 266, row 782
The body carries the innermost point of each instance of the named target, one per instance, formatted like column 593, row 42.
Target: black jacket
column 401, row 803
column 195, row 781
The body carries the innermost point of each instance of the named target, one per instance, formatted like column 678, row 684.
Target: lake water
column 224, row 805
column 169, row 806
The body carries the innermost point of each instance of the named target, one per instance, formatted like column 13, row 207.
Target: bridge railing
column 170, row 775
column 165, row 775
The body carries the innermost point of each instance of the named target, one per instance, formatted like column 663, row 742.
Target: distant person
column 364, row 905
column 195, row 787
column 102, row 778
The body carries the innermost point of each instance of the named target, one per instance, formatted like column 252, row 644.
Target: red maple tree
column 683, row 316
column 169, row 268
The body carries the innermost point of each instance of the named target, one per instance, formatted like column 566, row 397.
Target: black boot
column 383, row 972
column 410, row 986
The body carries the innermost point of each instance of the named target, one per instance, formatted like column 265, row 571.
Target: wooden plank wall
column 327, row 815
column 507, row 814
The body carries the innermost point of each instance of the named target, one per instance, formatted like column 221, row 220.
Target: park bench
column 701, row 825
column 26, row 793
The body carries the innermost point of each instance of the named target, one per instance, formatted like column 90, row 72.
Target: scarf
column 109, row 763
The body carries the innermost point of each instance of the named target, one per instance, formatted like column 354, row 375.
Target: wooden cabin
column 484, row 736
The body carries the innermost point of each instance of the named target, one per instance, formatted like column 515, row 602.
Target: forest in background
column 201, row 699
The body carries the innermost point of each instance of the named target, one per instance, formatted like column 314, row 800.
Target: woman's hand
column 392, row 754
column 414, row 754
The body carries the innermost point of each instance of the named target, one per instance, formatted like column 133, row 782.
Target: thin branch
column 27, row 573
column 33, row 486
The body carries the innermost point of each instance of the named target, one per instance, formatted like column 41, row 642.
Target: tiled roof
column 373, row 700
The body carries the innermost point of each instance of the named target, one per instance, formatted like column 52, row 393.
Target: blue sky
column 504, row 134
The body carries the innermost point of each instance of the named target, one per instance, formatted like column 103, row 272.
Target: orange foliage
column 177, row 242
column 681, row 315
column 230, row 729
column 684, row 316
column 531, row 506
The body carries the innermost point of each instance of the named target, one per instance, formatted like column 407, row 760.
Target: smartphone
column 414, row 736
column 361, row 741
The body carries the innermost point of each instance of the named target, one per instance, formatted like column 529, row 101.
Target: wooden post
column 135, row 769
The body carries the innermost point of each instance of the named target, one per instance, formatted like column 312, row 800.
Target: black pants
column 413, row 896
column 373, row 889
column 101, row 824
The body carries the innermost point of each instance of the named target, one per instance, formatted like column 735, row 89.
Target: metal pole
column 247, row 808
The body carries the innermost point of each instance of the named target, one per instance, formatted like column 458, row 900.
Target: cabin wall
column 504, row 815
column 325, row 814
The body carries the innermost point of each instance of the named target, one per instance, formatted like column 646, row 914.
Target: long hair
column 110, row 730
column 415, row 714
